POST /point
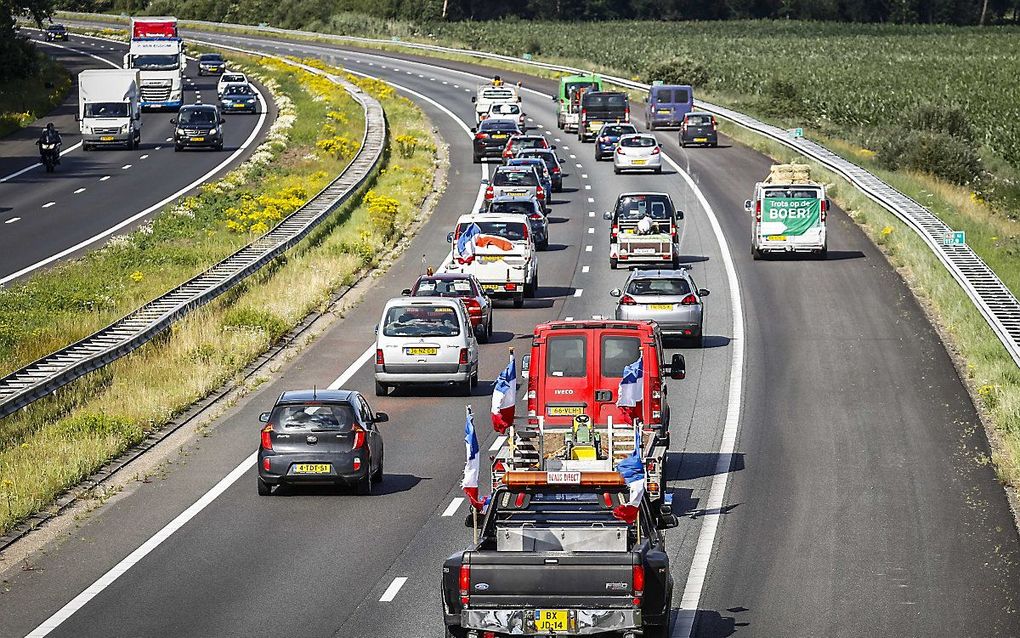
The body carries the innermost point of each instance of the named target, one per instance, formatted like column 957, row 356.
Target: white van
column 489, row 94
column 789, row 213
column 501, row 254
column 425, row 340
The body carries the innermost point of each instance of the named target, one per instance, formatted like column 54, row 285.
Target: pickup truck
column 551, row 559
column 502, row 256
column 598, row 108
column 645, row 230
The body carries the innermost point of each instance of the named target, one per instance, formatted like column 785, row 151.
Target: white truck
column 500, row 253
column 489, row 94
column 109, row 108
column 789, row 213
column 158, row 54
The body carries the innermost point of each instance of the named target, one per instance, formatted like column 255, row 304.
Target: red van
column 575, row 367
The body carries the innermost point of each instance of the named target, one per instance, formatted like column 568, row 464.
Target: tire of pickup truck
column 455, row 631
column 519, row 300
column 612, row 263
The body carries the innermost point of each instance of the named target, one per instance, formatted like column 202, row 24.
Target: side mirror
column 264, row 417
column 449, row 237
column 678, row 367
column 668, row 521
column 555, row 99
column 679, row 214
column 474, row 129
column 406, row 292
column 747, row 205
column 380, row 417
column 607, row 216
column 223, row 120
column 615, row 292
column 77, row 118
column 173, row 120
column 553, row 146
column 704, row 292
column 474, row 99
column 525, row 364
column 485, row 181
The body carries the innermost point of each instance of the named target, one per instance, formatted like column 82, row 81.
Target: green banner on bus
column 797, row 214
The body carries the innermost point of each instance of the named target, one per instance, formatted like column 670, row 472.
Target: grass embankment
column 33, row 97
column 56, row 442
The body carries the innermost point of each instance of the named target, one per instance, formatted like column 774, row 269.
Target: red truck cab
column 575, row 367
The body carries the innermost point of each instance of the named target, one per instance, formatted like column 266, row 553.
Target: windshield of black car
column 106, row 109
column 197, row 116
column 699, row 120
column 530, row 161
column 445, row 288
column 545, row 156
column 500, row 126
column 638, row 142
column 56, row 28
column 512, row 231
column 232, row 78
column 155, row 62
column 421, row 321
column 661, row 287
column 604, row 101
column 636, row 207
column 241, row 89
column 210, row 57
column 512, row 208
column 515, row 178
column 336, row 417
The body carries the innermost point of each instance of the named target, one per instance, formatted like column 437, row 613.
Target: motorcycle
column 50, row 155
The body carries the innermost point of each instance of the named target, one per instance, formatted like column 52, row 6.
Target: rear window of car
column 337, row 417
column 657, row 286
column 528, row 142
column 232, row 78
column 637, row 206
column 566, row 356
column 512, row 231
column 699, row 120
column 525, row 208
column 445, row 288
column 505, row 109
column 638, row 142
column 619, row 129
column 497, row 125
column 497, row 94
column 238, row 89
column 604, row 100
column 421, row 320
column 515, row 178
column 618, row 353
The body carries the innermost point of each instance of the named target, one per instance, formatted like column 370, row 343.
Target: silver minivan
column 425, row 340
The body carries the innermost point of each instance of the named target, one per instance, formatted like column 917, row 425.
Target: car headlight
column 180, row 131
column 124, row 128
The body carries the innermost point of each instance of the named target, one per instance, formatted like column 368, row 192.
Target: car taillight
column 639, row 583
column 465, row 584
column 683, row 126
column 379, row 360
column 689, row 300
column 556, row 170
column 266, row 464
column 536, row 217
column 463, row 356
column 267, row 438
column 584, row 114
column 626, row 114
column 619, row 150
column 627, row 300
column 614, row 231
column 825, row 209
column 489, row 193
column 713, row 123
column 757, row 211
column 357, row 463
column 540, row 193
column 359, row 436
column 656, row 410
column 607, row 498
column 532, row 405
column 480, row 136
column 655, row 151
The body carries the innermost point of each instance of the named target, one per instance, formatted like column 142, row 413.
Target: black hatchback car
column 321, row 437
column 491, row 137
column 198, row 125
column 699, row 128
column 211, row 64
column 56, row 32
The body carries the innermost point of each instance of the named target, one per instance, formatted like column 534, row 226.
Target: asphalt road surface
column 858, row 502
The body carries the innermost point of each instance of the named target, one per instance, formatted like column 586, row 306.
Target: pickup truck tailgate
column 550, row 579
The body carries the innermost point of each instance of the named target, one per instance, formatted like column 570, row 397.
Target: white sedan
column 639, row 151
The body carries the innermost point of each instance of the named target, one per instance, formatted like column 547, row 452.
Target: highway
column 46, row 217
column 857, row 500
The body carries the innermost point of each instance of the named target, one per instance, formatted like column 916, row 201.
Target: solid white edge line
column 451, row 509
column 130, row 220
column 351, row 369
column 143, row 550
column 687, row 614
column 391, row 591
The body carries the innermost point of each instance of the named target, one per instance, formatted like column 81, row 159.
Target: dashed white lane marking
column 125, row 167
column 556, row 139
column 568, row 318
column 584, row 175
column 421, row 76
column 452, row 507
column 146, row 156
column 169, row 139
column 456, row 86
column 467, row 90
column 591, row 231
column 391, row 591
column 587, row 187
column 158, row 147
column 48, row 204
column 445, row 82
column 591, row 213
column 104, row 178
column 498, row 443
column 566, row 148
column 12, row 220
column 578, row 165
column 531, row 120
column 409, row 73
column 587, row 249
column 591, row 200
column 572, row 156
column 585, row 268
column 80, row 190
column 577, row 293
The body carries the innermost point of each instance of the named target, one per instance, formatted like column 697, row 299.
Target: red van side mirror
column 677, row 367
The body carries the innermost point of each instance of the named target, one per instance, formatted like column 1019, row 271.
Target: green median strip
column 56, row 442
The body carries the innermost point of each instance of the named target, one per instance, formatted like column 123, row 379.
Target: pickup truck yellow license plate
column 776, row 238
column 106, row 138
column 431, row 352
column 551, row 620
column 312, row 468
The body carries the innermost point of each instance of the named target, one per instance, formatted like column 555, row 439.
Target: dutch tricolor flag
column 504, row 397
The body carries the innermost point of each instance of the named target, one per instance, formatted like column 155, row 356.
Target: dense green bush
column 678, row 70
column 941, row 154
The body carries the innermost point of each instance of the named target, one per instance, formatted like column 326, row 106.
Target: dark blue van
column 667, row 104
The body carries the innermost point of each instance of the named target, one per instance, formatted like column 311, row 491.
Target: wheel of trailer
column 612, row 263
column 519, row 300
column 265, row 489
column 381, row 389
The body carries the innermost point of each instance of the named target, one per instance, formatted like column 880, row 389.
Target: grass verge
column 53, row 444
column 34, row 97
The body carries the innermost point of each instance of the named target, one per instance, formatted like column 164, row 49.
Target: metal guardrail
column 996, row 302
column 50, row 373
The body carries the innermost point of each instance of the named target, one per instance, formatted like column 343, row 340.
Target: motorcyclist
column 50, row 136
